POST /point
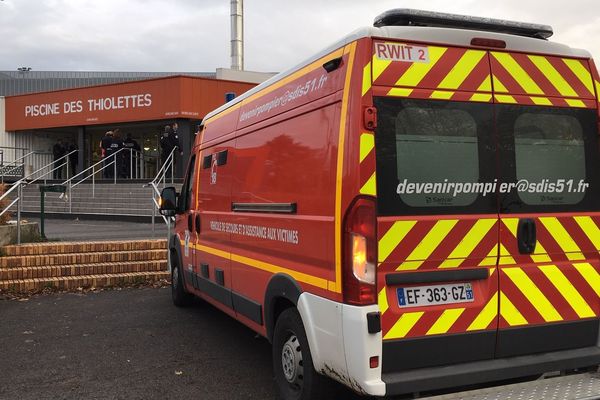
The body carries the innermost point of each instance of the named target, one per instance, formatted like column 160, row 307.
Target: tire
column 180, row 297
column 295, row 375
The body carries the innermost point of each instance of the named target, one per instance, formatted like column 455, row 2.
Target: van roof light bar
column 411, row 17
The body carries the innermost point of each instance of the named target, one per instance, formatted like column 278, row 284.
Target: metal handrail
column 52, row 170
column 15, row 167
column 161, row 176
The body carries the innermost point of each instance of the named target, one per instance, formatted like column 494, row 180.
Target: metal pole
column 70, row 198
column 20, row 193
column 130, row 163
column 115, row 168
column 153, row 214
column 172, row 166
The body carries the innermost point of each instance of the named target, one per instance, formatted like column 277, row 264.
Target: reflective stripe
column 445, row 321
column 555, row 78
column 382, row 301
column 505, row 99
column 575, row 103
column 441, row 95
column 416, row 72
column 562, row 237
column 462, row 69
column 370, row 187
column 400, row 92
column 393, row 237
column 566, row 289
column 505, row 257
column 404, row 324
column 427, row 246
column 541, row 255
column 486, row 316
column 468, row 243
column 481, row 97
column 491, row 258
column 510, row 313
column 581, row 72
column 541, row 101
column 589, row 227
column 378, row 66
column 533, row 294
column 499, row 86
column 367, row 143
column 518, row 73
column 590, row 274
column 366, row 82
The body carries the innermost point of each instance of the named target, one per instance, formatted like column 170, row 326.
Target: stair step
column 81, row 258
column 81, row 270
column 48, row 248
column 84, row 281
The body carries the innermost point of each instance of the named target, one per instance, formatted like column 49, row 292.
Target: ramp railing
column 161, row 180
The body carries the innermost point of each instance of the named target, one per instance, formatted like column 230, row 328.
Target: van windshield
column 439, row 157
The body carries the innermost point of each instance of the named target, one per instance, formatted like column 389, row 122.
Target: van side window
column 550, row 155
column 434, row 155
column 189, row 183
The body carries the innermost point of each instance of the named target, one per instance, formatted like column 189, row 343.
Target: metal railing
column 160, row 177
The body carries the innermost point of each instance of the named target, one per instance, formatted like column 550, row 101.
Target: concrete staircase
column 106, row 199
column 72, row 265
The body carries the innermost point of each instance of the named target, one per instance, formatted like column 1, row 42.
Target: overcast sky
column 193, row 35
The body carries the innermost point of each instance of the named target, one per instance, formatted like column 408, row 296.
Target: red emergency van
column 417, row 207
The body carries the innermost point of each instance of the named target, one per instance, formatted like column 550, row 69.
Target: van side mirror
column 168, row 202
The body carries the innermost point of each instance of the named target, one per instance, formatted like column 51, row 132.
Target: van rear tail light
column 360, row 253
column 484, row 42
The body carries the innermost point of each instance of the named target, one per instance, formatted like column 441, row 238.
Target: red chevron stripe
column 551, row 293
column 570, row 77
column 425, row 323
column 477, row 76
column 452, row 240
column 505, row 78
column 579, row 236
column 522, row 304
column 538, row 77
column 583, row 287
column 441, row 69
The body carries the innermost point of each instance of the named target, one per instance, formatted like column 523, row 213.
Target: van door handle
column 190, row 223
column 526, row 235
column 197, row 225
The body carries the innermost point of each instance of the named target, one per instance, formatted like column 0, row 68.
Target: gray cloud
column 193, row 35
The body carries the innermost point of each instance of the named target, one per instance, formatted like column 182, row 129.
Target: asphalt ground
column 87, row 230
column 129, row 344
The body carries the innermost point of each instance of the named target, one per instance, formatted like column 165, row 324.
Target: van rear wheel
column 180, row 297
column 294, row 372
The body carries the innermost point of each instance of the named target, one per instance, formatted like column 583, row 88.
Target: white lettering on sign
column 401, row 52
column 93, row 105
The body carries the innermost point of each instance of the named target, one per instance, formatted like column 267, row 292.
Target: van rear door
column 549, row 203
column 437, row 230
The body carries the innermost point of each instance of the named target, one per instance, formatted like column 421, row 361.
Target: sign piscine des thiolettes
column 89, row 105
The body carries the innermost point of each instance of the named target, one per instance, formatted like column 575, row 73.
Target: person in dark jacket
column 168, row 141
column 116, row 144
column 58, row 151
column 105, row 149
column 131, row 155
column 73, row 157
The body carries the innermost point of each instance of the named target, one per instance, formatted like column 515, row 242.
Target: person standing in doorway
column 168, row 142
column 73, row 157
column 132, row 149
column 115, row 145
column 105, row 149
column 58, row 151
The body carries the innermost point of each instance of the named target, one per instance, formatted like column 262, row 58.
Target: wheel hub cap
column 291, row 361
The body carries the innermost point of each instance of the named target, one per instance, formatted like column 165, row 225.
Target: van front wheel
column 180, row 297
column 295, row 375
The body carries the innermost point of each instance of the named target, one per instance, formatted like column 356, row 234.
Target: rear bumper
column 488, row 371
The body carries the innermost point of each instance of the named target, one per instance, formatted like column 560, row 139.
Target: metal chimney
column 237, row 35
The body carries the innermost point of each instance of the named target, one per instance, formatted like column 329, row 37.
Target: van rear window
column 551, row 154
column 434, row 157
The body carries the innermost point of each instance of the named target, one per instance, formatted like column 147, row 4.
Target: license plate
column 435, row 294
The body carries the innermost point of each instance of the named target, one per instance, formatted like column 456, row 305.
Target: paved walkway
column 77, row 230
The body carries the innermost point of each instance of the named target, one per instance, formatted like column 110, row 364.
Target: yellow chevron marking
column 510, row 313
column 505, row 99
column 445, row 321
column 581, row 72
column 366, row 82
column 379, row 66
column 404, row 324
column 416, row 72
column 598, row 90
column 541, row 101
column 400, row 92
column 367, row 143
column 505, row 257
column 481, row 97
column 589, row 227
column 382, row 301
column 499, row 86
column 462, row 69
column 491, row 271
column 562, row 237
column 468, row 243
column 576, row 103
column 590, row 274
column 491, row 258
column 541, row 255
column 393, row 237
column 486, row 316
column 486, row 85
column 518, row 73
column 441, row 95
column 429, row 243
column 553, row 76
column 566, row 289
column 370, row 186
column 533, row 294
